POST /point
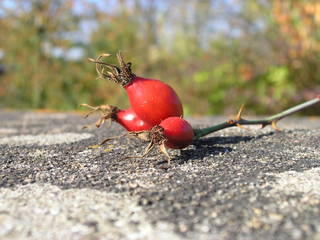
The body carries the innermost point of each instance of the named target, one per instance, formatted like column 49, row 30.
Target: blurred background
column 216, row 54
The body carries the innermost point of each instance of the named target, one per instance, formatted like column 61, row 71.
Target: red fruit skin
column 130, row 121
column 153, row 100
column 178, row 132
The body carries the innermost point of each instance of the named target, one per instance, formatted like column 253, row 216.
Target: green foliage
column 215, row 63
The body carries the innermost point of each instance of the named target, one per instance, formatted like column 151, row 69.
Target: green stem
column 264, row 122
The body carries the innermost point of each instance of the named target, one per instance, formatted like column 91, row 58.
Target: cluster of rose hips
column 156, row 112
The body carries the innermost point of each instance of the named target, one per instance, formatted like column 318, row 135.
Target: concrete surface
column 234, row 184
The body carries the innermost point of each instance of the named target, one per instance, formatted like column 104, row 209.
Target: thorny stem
column 121, row 74
column 239, row 121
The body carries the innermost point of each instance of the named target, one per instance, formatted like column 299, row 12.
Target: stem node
column 239, row 121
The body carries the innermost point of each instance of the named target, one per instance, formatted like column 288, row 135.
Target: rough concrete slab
column 234, row 184
column 44, row 211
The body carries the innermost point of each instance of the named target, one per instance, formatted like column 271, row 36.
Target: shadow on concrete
column 212, row 146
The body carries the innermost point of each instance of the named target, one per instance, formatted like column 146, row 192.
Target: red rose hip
column 130, row 121
column 178, row 132
column 152, row 100
column 126, row 118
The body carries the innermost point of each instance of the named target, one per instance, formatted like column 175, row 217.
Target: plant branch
column 239, row 121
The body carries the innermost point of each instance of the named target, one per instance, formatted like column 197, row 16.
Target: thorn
column 274, row 125
column 240, row 126
column 238, row 117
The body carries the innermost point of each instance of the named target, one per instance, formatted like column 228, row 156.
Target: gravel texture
column 56, row 183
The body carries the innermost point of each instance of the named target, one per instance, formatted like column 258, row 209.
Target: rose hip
column 130, row 121
column 152, row 100
column 126, row 118
column 173, row 132
column 178, row 132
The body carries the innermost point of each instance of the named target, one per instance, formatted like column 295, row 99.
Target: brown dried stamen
column 155, row 137
column 121, row 74
column 107, row 112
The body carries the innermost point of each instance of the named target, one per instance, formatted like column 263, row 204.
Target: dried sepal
column 107, row 112
column 156, row 138
column 111, row 138
column 121, row 74
column 163, row 149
